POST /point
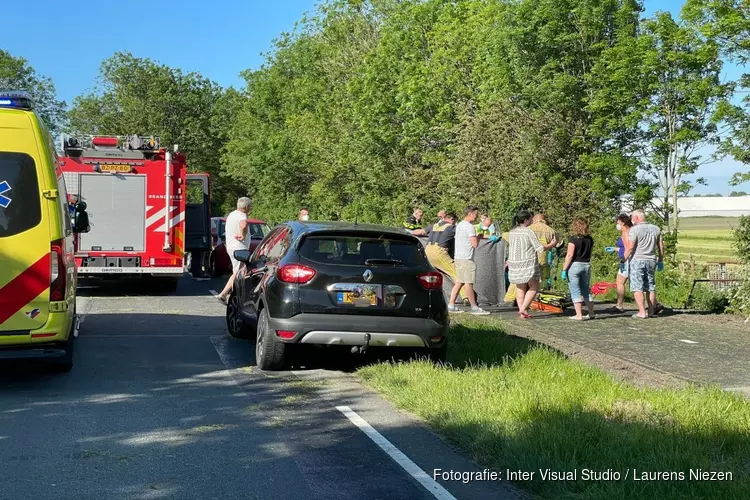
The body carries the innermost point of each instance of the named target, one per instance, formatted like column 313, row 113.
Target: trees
column 371, row 108
column 669, row 80
column 727, row 22
column 16, row 74
column 139, row 96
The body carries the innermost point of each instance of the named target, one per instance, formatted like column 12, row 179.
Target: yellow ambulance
column 37, row 270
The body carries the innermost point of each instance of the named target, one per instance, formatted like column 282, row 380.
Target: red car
column 220, row 263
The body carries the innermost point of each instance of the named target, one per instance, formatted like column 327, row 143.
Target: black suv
column 337, row 284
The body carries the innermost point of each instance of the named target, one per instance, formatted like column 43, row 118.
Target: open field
column 515, row 405
column 707, row 239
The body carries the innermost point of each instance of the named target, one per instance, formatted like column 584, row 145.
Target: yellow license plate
column 115, row 168
column 353, row 298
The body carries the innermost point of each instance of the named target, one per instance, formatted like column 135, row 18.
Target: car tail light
column 57, row 272
column 431, row 281
column 285, row 334
column 295, row 273
column 42, row 335
column 436, row 339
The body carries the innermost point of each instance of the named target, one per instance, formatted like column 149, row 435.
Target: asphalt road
column 163, row 404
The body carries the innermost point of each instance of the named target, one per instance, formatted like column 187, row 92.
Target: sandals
column 221, row 299
column 524, row 315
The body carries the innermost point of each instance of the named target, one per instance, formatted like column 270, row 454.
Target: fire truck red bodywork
column 135, row 234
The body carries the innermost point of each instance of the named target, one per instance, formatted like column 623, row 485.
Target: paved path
column 162, row 404
column 708, row 349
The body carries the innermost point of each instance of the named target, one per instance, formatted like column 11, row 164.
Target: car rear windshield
column 20, row 205
column 361, row 250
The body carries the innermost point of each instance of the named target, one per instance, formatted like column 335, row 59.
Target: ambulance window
column 64, row 207
column 20, row 205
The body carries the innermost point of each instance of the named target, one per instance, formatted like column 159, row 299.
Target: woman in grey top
column 523, row 261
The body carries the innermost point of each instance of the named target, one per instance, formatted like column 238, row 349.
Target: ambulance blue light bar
column 14, row 99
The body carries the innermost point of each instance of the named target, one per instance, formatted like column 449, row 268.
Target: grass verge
column 515, row 405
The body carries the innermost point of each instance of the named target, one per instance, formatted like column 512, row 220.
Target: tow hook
column 363, row 349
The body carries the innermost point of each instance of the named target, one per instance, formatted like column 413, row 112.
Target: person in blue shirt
column 624, row 224
column 623, row 274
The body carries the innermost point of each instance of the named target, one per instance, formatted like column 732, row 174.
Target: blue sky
column 219, row 39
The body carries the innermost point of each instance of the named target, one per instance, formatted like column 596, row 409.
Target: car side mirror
column 242, row 255
column 81, row 219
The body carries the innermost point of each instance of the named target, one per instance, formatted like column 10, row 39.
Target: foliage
column 728, row 23
column 741, row 236
column 16, row 74
column 372, row 108
column 659, row 97
column 739, row 296
column 139, row 96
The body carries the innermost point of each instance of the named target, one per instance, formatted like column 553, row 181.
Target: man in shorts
column 466, row 241
column 237, row 238
column 645, row 255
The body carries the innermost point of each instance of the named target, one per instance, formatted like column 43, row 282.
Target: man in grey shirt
column 645, row 251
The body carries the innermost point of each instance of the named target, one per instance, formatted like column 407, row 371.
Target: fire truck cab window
column 20, row 205
column 194, row 192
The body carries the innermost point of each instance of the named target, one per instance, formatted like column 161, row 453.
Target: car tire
column 270, row 354
column 65, row 363
column 235, row 324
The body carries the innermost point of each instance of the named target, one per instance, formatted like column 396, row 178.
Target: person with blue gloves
column 623, row 273
column 577, row 269
column 645, row 254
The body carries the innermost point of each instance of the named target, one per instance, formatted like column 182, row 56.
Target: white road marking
column 214, row 293
column 413, row 469
column 688, row 341
column 221, row 344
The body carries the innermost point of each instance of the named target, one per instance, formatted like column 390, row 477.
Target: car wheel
column 65, row 363
column 270, row 354
column 235, row 324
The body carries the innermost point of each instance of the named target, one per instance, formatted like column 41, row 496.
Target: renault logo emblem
column 367, row 276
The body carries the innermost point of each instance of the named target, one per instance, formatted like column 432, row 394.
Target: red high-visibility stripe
column 24, row 288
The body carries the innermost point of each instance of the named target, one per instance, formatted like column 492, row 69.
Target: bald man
column 545, row 234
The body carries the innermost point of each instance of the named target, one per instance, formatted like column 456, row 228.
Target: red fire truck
column 137, row 195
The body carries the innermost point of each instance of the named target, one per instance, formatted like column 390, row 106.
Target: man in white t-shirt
column 466, row 270
column 237, row 237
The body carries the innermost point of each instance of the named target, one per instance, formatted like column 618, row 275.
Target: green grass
column 706, row 239
column 712, row 223
column 512, row 404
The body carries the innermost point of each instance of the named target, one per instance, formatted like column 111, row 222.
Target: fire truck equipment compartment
column 117, row 220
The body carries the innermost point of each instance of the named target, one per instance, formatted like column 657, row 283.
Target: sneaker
column 479, row 311
column 454, row 309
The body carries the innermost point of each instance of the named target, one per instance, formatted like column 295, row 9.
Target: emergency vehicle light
column 109, row 142
column 13, row 99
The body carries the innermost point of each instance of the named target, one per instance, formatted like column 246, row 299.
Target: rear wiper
column 395, row 262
